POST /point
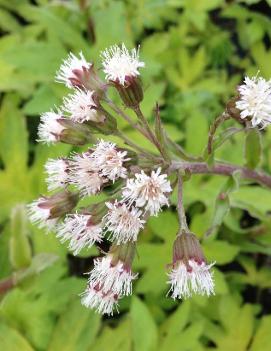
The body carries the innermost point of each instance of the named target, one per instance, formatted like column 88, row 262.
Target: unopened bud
column 122, row 70
column 54, row 128
column 75, row 133
column 47, row 210
column 131, row 93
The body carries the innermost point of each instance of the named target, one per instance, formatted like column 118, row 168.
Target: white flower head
column 85, row 175
column 255, row 101
column 149, row 191
column 192, row 278
column 81, row 107
column 96, row 298
column 40, row 215
column 122, row 222
column 116, row 278
column 109, row 160
column 120, row 64
column 70, row 68
column 80, row 231
column 49, row 128
column 57, row 173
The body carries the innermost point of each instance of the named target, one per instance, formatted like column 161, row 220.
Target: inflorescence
column 138, row 183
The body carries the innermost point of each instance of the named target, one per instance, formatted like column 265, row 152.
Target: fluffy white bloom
column 124, row 223
column 70, row 67
column 80, row 231
column 148, row 191
column 57, row 173
column 195, row 278
column 255, row 100
column 109, row 160
column 49, row 128
column 119, row 63
column 112, row 277
column 40, row 215
column 81, row 107
column 103, row 303
column 84, row 174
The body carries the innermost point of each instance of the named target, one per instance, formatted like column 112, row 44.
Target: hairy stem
column 181, row 212
column 126, row 117
column 150, row 133
column 222, row 169
column 217, row 122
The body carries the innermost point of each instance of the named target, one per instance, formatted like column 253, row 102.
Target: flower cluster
column 135, row 182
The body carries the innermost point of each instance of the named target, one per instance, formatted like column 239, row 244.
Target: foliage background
column 196, row 52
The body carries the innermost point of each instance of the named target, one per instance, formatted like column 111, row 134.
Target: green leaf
column 145, row 334
column 116, row 339
column 238, row 323
column 76, row 328
column 253, row 148
column 11, row 340
column 262, row 339
column 196, row 133
column 247, row 198
column 20, row 250
column 13, row 136
column 222, row 204
column 220, row 251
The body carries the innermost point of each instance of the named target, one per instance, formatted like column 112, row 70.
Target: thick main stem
column 222, row 169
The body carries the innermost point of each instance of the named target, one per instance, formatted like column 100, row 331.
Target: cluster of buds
column 136, row 181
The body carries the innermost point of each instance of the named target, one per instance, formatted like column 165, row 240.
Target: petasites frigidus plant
column 137, row 183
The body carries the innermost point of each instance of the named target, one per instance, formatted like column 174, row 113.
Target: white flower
column 40, row 214
column 119, row 64
column 112, row 277
column 50, row 129
column 103, row 303
column 84, row 174
column 109, row 160
column 124, row 223
column 195, row 278
column 57, row 173
column 148, row 191
column 255, row 100
column 81, row 107
column 70, row 68
column 80, row 231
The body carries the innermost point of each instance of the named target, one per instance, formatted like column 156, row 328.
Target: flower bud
column 110, row 279
column 121, row 69
column 75, row 133
column 47, row 210
column 54, row 128
column 190, row 272
column 81, row 230
column 131, row 93
column 76, row 72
